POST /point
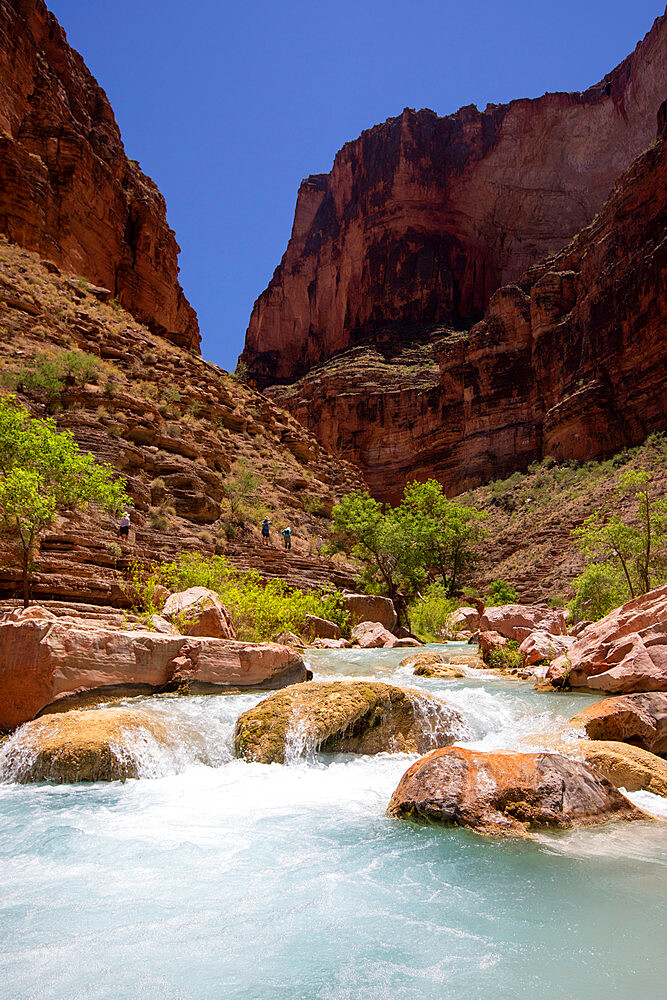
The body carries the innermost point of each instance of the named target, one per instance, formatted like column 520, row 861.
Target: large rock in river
column 346, row 717
column 639, row 719
column 105, row 745
column 626, row 766
column 507, row 793
column 625, row 651
column 43, row 661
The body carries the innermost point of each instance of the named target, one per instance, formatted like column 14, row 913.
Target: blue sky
column 228, row 105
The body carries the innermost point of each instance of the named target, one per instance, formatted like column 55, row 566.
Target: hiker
column 124, row 525
column 265, row 531
column 287, row 537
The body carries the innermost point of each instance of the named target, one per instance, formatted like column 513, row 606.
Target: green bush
column 504, row 657
column 430, row 617
column 48, row 374
column 501, row 592
column 260, row 609
column 600, row 588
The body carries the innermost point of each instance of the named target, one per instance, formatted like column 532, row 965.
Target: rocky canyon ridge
column 370, row 329
column 67, row 189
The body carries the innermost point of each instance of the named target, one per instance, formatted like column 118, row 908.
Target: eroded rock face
column 103, row 745
column 638, row 719
column 541, row 645
column 568, row 359
column 623, row 652
column 67, row 189
column 44, row 661
column 518, row 621
column 507, row 794
column 344, row 717
column 370, row 608
column 422, row 218
column 198, row 611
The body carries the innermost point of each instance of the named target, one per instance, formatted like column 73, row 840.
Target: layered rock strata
column 422, row 218
column 568, row 362
column 67, row 188
column 180, row 431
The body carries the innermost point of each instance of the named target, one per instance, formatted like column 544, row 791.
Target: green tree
column 636, row 547
column 501, row 592
column 42, row 473
column 445, row 531
column 401, row 548
column 382, row 542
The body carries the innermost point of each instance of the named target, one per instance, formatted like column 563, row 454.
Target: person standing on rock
column 265, row 531
column 287, row 537
column 124, row 525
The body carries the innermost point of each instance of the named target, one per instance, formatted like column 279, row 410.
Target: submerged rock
column 639, row 719
column 626, row 766
column 105, row 745
column 346, row 717
column 507, row 794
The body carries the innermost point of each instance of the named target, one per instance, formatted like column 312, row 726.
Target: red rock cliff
column 67, row 189
column 422, row 218
column 569, row 362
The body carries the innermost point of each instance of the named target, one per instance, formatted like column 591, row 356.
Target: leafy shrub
column 600, row 588
column 48, row 374
column 260, row 609
column 504, row 657
column 431, row 616
column 501, row 592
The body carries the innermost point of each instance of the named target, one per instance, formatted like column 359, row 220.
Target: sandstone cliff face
column 422, row 218
column 67, row 189
column 569, row 362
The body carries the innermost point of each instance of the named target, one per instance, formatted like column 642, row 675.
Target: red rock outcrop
column 507, row 794
column 625, row 651
column 568, row 362
column 43, row 661
column 67, row 189
column 517, row 621
column 422, row 218
column 638, row 719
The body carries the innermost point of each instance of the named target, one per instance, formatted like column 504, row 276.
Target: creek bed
column 219, row 878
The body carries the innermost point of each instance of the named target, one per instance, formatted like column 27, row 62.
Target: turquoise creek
column 213, row 878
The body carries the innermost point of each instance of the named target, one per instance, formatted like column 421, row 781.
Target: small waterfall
column 300, row 741
column 440, row 724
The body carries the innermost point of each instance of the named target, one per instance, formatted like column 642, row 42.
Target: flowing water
column 222, row 879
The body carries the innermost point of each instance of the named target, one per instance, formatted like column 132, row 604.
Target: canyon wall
column 422, row 218
column 67, row 189
column 568, row 361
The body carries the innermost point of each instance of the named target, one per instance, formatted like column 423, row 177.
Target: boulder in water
column 639, row 719
column 626, row 766
column 517, row 621
column 103, row 745
column 507, row 794
column 346, row 717
column 372, row 635
column 370, row 608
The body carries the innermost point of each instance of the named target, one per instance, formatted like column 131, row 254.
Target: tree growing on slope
column 44, row 473
column 623, row 558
